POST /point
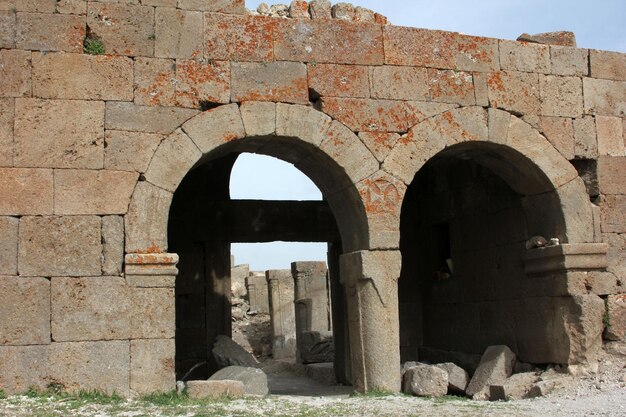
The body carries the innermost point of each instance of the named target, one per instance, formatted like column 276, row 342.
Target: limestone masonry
column 474, row 189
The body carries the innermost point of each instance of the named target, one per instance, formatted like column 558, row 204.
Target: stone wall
column 93, row 147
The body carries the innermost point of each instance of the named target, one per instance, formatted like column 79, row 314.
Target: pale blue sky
column 599, row 24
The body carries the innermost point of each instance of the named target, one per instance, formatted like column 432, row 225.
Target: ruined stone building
column 439, row 156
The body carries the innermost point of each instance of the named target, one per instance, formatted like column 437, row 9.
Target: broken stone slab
column 228, row 353
column 543, row 388
column 406, row 366
column 425, row 381
column 496, row 365
column 560, row 38
column 458, row 377
column 516, row 387
column 254, row 380
column 215, row 389
column 317, row 347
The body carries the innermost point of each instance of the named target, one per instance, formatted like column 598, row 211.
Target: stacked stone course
column 92, row 148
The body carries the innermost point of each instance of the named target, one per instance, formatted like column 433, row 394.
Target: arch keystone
column 259, row 118
column 306, row 123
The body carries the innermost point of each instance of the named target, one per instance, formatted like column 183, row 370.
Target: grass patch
column 3, row 395
column 375, row 393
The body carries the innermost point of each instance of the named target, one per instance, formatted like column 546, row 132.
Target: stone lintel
column 151, row 269
column 566, row 257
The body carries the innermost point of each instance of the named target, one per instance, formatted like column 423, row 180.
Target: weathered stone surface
column 8, row 245
column 197, row 83
column 299, row 9
column 7, row 111
column 259, row 118
column 176, row 33
column 7, row 29
column 323, row 373
column 560, row 132
column 449, row 86
column 275, row 81
column 125, row 29
column 172, row 160
column 496, row 365
column 320, row 9
column 610, row 135
column 228, row 353
column 604, row 97
column 543, row 388
column 127, row 116
column 80, row 191
column 23, row 367
column 215, row 127
column 152, row 315
column 155, row 81
column 315, row 346
column 514, row 91
column 561, row 38
column 602, row 283
column 608, row 65
column 146, row 221
column 215, row 389
column 151, row 270
column 59, row 246
column 25, row 311
column 309, row 40
column 617, row 253
column 457, row 377
column 425, row 381
column 343, row 11
column 585, row 139
column 82, row 76
column 15, row 73
column 72, row 7
column 400, row 83
column 62, row 32
column 40, row 6
column 254, row 380
column 238, row 38
column 561, row 96
column 152, row 366
column 219, row 6
column 302, row 122
column 525, row 57
column 102, row 366
column 516, row 387
column 569, row 61
column 26, row 191
column 379, row 143
column 129, row 151
column 610, row 174
column 112, row 244
column 339, row 80
column 94, row 308
column 612, row 209
column 616, row 313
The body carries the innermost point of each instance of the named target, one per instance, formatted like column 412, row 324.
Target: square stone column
column 372, row 296
column 257, row 292
column 282, row 313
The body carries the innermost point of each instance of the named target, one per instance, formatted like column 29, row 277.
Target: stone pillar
column 372, row 296
column 282, row 316
column 343, row 373
column 238, row 276
column 257, row 292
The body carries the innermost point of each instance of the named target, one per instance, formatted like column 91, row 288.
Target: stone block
column 309, row 40
column 259, row 118
column 561, row 38
column 425, row 381
column 612, row 209
column 198, row 83
column 324, row 373
column 379, row 143
column 155, row 82
column 343, row 11
column 177, row 33
column 299, row 9
column 602, row 283
column 59, row 246
column 112, row 245
column 560, row 132
column 23, row 367
column 457, row 377
column 608, row 65
column 238, row 38
column 516, row 387
column 439, row 49
column 616, row 255
column 94, row 308
column 339, row 80
column 254, row 380
column 59, row 133
column 146, row 221
column 129, row 151
column 35, row 6
column 72, row 6
column 561, row 96
column 125, row 29
column 15, row 73
column 496, row 365
column 151, row 270
column 514, row 91
column 610, row 174
column 569, row 61
column 320, row 9
column 25, row 311
column 7, row 112
column 481, row 90
column 604, row 97
column 26, row 191
column 7, row 29
column 215, row 389
column 152, row 313
column 8, row 245
column 223, row 122
column 302, row 122
column 228, row 353
column 275, row 81
column 152, row 366
column 400, row 83
column 610, row 136
column 524, row 56
column 50, row 32
column 79, row 191
column 103, row 366
column 449, row 86
column 585, row 139
column 175, row 156
column 149, row 119
column 82, row 76
column 616, row 314
column 219, row 6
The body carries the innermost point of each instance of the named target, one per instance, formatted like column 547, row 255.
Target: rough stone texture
column 449, row 86
column 616, row 312
column 603, row 283
column 280, row 285
column 155, row 81
column 496, row 365
column 129, row 151
column 215, row 127
column 523, row 56
column 379, row 143
column 302, row 122
column 604, row 97
column 514, row 91
column 276, row 81
column 331, row 80
column 457, row 377
column 562, row 38
column 15, row 77
column 112, row 244
column 102, row 366
column 259, row 118
column 560, row 132
column 585, row 139
column 610, row 136
column 612, row 209
column 59, row 246
column 7, row 112
column 610, row 175
column 25, row 323
column 146, row 221
column 176, row 33
column 569, row 61
column 607, row 65
column 228, row 353
column 127, row 116
column 238, row 38
column 219, row 6
column 152, row 313
column 320, row 9
column 8, row 245
column 26, row 191
column 198, row 83
column 79, row 191
column 215, row 389
column 23, row 367
column 254, row 380
column 561, row 96
column 7, row 29
column 94, row 308
column 425, row 381
column 617, row 253
column 40, row 6
column 516, row 387
column 152, row 366
column 62, row 32
column 82, row 76
column 72, row 7
column 400, row 83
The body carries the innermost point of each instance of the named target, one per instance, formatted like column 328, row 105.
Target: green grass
column 93, row 46
column 375, row 393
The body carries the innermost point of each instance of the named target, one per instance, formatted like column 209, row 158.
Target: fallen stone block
column 324, row 373
column 458, row 377
column 425, row 381
column 516, row 387
column 562, row 38
column 228, row 353
column 406, row 366
column 317, row 347
column 215, row 389
column 543, row 388
column 254, row 380
column 496, row 365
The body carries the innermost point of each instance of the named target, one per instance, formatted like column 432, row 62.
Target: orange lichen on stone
column 380, row 196
column 238, row 38
column 197, row 81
